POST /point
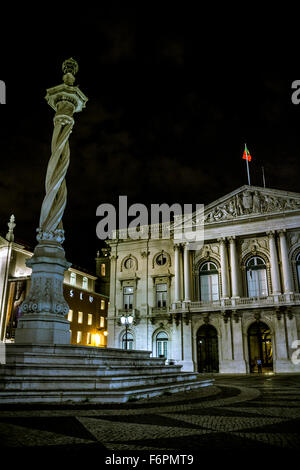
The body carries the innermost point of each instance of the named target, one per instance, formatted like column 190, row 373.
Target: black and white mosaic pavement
column 251, row 417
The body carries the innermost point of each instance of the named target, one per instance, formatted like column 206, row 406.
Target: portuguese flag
column 247, row 155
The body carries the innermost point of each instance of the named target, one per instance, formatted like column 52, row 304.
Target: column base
column 285, row 366
column 187, row 366
column 233, row 367
column 43, row 329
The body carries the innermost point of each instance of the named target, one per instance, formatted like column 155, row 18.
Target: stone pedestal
column 43, row 311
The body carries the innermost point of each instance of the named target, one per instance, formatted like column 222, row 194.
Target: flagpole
column 248, row 172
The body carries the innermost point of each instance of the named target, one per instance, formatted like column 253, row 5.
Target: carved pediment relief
column 251, row 201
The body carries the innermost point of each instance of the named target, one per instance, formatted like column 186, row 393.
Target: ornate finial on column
column 11, row 225
column 69, row 68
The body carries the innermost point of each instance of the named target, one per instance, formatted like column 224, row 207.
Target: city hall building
column 232, row 306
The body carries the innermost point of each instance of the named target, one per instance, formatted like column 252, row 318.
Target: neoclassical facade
column 231, row 306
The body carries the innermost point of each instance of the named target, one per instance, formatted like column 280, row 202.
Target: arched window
column 85, row 283
column 298, row 268
column 209, row 282
column 73, row 279
column 127, row 341
column 257, row 277
column 162, row 344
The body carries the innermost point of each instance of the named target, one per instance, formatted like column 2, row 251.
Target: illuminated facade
column 232, row 306
column 88, row 308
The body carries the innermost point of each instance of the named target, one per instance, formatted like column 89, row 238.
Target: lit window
column 257, row 277
column 70, row 315
column 102, row 304
column 127, row 297
column 85, row 283
column 102, row 269
column 73, row 279
column 101, row 322
column 80, row 317
column 127, row 341
column 90, row 318
column 79, row 336
column 209, row 282
column 161, row 295
column 88, row 338
column 162, row 344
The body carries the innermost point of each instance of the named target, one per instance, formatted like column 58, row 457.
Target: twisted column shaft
column 55, row 200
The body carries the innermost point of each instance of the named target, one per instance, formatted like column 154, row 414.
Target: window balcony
column 239, row 303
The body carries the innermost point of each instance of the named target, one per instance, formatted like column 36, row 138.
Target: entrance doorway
column 207, row 349
column 260, row 348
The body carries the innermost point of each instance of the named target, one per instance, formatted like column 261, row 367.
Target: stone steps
column 60, row 374
column 99, row 396
column 83, row 370
column 90, row 383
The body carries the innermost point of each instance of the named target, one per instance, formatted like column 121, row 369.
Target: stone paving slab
column 246, row 417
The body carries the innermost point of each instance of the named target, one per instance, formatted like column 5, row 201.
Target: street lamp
column 126, row 320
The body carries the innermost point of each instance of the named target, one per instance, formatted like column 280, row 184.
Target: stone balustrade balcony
column 238, row 303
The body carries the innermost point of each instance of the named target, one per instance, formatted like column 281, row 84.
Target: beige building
column 88, row 308
column 232, row 306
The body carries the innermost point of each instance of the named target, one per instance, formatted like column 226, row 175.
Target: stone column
column 274, row 264
column 187, row 274
column 43, row 311
column 224, row 268
column 177, row 272
column 234, row 268
column 287, row 282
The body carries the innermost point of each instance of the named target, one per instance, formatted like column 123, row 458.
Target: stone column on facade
column 287, row 281
column 274, row 264
column 43, row 310
column 177, row 281
column 4, row 275
column 187, row 273
column 187, row 346
column 224, row 268
column 234, row 268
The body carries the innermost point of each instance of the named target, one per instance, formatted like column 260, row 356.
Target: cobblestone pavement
column 252, row 417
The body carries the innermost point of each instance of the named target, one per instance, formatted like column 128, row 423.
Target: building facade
column 231, row 306
column 88, row 308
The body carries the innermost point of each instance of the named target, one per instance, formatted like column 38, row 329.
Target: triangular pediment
column 251, row 202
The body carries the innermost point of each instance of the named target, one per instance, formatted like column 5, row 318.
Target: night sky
column 161, row 123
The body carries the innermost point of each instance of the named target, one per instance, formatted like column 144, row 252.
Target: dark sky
column 161, row 125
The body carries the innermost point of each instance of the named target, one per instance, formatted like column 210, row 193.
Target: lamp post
column 126, row 320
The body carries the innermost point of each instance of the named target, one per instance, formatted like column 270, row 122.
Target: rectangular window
column 101, row 322
column 161, row 295
column 88, row 338
column 85, row 283
column 70, row 315
column 80, row 317
column 102, row 269
column 128, row 298
column 79, row 336
column 102, row 304
column 90, row 319
column 73, row 279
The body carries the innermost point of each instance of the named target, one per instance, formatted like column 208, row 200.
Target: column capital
column 271, row 233
column 221, row 240
column 232, row 239
column 282, row 232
